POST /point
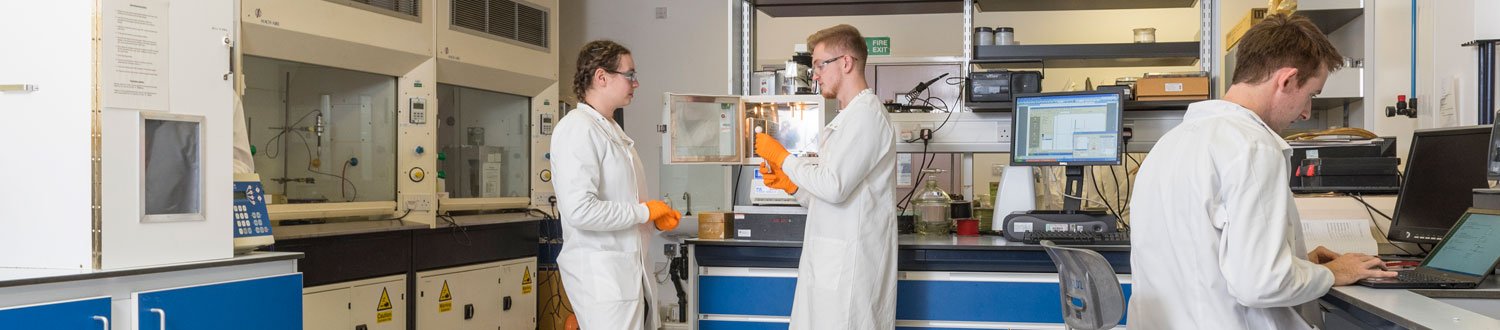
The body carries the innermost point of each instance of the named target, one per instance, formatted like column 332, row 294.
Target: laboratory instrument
column 1070, row 129
column 252, row 225
column 1465, row 257
column 1443, row 168
column 769, row 223
column 1349, row 174
column 1002, row 85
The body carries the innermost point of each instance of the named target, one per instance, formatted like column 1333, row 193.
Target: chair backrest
column 1090, row 292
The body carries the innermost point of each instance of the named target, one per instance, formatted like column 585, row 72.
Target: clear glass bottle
column 932, row 204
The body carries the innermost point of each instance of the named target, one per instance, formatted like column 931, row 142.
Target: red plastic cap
column 1400, row 98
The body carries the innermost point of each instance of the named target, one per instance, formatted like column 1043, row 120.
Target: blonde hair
column 842, row 37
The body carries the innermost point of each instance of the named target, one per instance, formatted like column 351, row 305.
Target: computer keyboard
column 1078, row 238
column 1418, row 277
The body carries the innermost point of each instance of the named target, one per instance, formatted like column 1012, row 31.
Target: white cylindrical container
column 1005, row 36
column 984, row 36
column 1145, row 35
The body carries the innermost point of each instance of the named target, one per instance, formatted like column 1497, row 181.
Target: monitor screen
column 1472, row 248
column 1442, row 170
column 1071, row 128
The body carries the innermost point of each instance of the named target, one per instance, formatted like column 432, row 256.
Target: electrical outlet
column 1004, row 133
column 418, row 202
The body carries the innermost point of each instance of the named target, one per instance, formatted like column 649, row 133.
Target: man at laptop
column 1217, row 243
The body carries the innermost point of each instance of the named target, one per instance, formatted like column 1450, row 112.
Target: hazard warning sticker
column 526, row 281
column 383, row 309
column 445, row 299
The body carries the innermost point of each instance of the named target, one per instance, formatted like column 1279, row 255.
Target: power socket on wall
column 418, row 202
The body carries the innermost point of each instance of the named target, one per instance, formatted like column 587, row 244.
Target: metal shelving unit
column 1092, row 55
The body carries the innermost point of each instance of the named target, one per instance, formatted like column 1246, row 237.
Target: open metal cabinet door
column 704, row 129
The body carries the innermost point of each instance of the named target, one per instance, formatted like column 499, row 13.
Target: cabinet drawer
column 270, row 303
column 741, row 325
column 745, row 295
column 88, row 313
column 974, row 301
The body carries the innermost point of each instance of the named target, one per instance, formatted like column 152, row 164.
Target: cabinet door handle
column 102, row 319
column 162, row 315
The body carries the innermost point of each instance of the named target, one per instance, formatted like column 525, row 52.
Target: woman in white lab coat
column 606, row 221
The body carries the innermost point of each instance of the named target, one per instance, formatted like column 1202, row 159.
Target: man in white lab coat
column 1217, row 243
column 847, row 276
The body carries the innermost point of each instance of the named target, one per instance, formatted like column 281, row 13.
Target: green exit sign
column 878, row 45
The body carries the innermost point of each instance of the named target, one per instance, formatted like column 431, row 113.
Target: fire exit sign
column 878, row 45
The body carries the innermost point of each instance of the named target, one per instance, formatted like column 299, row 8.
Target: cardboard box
column 1171, row 89
column 1233, row 36
column 715, row 225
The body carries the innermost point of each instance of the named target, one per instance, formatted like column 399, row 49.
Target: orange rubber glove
column 663, row 216
column 776, row 179
column 770, row 150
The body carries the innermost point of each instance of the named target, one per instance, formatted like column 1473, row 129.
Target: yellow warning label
column 445, row 295
column 383, row 311
column 526, row 281
column 445, row 299
column 385, row 301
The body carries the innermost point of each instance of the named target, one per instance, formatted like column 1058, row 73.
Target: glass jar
column 1005, row 36
column 984, row 36
column 932, row 204
column 1145, row 35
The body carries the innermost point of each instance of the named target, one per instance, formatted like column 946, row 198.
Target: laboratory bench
column 1358, row 307
column 987, row 282
column 943, row 282
column 259, row 290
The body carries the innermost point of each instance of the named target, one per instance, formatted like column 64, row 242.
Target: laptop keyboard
column 1416, row 277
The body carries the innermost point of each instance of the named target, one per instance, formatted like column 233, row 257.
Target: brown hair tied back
column 597, row 54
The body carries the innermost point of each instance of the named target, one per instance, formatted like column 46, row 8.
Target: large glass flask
column 932, row 205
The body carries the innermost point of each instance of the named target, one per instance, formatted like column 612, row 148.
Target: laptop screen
column 1471, row 248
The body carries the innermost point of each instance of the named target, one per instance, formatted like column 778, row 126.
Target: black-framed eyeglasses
column 820, row 65
column 629, row 75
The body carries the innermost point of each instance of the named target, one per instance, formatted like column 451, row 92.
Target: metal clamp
column 25, row 88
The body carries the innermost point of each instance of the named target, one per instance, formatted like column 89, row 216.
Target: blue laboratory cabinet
column 81, row 314
column 270, row 303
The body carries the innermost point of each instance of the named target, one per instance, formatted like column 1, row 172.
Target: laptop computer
column 1465, row 257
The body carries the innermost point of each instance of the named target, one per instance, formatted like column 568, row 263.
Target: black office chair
column 1090, row 292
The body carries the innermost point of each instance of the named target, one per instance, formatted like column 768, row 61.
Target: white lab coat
column 599, row 183
column 1216, row 240
column 847, row 275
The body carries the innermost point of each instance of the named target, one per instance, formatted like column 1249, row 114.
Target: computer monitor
column 1066, row 129
column 1071, row 129
column 1443, row 168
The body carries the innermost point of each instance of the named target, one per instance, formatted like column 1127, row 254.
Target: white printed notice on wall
column 134, row 68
